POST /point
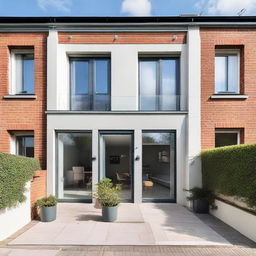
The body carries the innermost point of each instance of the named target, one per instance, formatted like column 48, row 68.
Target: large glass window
column 90, row 84
column 25, row 145
column 226, row 73
column 159, row 84
column 158, row 159
column 23, row 73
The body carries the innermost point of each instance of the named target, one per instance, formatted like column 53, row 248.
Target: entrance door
column 74, row 166
column 158, row 160
column 116, row 155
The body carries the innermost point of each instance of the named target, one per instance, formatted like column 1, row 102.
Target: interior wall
column 125, row 162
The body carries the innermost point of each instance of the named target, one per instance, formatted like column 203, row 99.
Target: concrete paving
column 138, row 224
column 128, row 251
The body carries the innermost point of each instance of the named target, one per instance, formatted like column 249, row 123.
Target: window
column 227, row 73
column 22, row 72
column 159, row 84
column 25, row 145
column 227, row 137
column 90, row 84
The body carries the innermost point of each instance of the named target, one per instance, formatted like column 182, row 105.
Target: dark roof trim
column 151, row 19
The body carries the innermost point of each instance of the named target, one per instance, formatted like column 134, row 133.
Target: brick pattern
column 123, row 38
column 38, row 190
column 24, row 114
column 228, row 113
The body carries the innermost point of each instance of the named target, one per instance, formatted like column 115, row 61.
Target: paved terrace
column 137, row 224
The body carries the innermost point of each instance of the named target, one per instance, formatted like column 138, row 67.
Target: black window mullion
column 158, row 85
column 91, row 82
column 177, row 84
column 227, row 89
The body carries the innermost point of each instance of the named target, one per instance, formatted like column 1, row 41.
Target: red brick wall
column 123, row 38
column 24, row 114
column 228, row 113
column 38, row 190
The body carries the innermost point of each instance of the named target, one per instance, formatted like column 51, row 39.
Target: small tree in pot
column 47, row 208
column 201, row 198
column 108, row 196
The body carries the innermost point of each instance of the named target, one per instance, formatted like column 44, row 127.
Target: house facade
column 131, row 99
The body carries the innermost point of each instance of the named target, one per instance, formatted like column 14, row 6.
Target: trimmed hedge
column 15, row 172
column 231, row 171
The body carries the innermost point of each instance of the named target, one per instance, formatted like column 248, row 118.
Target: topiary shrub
column 15, row 172
column 48, row 201
column 231, row 171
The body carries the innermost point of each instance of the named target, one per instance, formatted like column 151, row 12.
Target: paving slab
column 137, row 224
column 27, row 252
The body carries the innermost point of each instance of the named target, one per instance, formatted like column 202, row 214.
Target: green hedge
column 231, row 171
column 15, row 172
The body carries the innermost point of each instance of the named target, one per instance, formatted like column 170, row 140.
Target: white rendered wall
column 14, row 218
column 118, row 122
column 124, row 71
column 125, row 97
column 243, row 222
column 193, row 173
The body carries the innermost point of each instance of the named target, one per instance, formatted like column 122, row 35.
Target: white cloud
column 60, row 5
column 226, row 7
column 137, row 7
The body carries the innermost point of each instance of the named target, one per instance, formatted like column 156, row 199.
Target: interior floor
column 156, row 192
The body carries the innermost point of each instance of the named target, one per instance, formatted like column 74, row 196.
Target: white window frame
column 237, row 131
column 228, row 52
column 12, row 67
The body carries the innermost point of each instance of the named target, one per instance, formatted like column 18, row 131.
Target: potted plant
column 47, row 208
column 108, row 197
column 201, row 198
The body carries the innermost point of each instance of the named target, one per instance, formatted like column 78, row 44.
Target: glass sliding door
column 158, row 159
column 74, row 165
column 116, row 161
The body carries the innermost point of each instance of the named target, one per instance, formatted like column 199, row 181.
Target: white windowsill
column 229, row 96
column 20, row 96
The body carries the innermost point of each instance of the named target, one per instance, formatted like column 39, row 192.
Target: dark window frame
column 159, row 81
column 21, row 139
column 91, row 81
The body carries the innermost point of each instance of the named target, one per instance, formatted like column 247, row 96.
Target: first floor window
column 22, row 72
column 25, row 145
column 159, row 84
column 226, row 73
column 226, row 137
column 90, row 84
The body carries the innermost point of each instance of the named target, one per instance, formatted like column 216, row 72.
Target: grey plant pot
column 200, row 206
column 48, row 214
column 109, row 214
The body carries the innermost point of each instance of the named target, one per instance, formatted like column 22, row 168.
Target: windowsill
column 113, row 112
column 229, row 96
column 20, row 96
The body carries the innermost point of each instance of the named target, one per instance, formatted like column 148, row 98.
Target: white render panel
column 116, row 122
column 194, row 176
column 52, row 67
column 124, row 71
column 14, row 218
column 242, row 221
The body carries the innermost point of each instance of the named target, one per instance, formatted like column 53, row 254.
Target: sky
column 126, row 7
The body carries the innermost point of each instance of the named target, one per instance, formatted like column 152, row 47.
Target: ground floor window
column 74, row 165
column 158, row 160
column 226, row 137
column 25, row 145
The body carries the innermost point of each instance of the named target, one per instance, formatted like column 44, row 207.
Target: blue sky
column 124, row 7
